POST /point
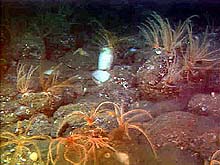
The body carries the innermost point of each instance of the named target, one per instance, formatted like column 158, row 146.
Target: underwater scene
column 117, row 82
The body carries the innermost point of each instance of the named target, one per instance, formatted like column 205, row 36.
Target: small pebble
column 33, row 156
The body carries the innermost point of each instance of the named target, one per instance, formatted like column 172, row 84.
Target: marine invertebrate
column 215, row 159
column 105, row 38
column 158, row 77
column 81, row 146
column 89, row 117
column 98, row 138
column 94, row 139
column 83, row 142
column 159, row 34
column 129, row 120
column 180, row 59
column 49, row 77
column 24, row 78
column 22, row 144
column 198, row 56
column 49, row 80
column 69, row 144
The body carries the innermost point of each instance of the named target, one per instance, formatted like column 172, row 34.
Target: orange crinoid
column 80, row 146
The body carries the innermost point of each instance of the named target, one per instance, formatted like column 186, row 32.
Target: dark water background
column 126, row 12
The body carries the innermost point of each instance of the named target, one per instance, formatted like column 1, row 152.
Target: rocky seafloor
column 184, row 122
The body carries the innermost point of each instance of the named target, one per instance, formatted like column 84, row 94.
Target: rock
column 121, row 88
column 41, row 102
column 161, row 107
column 33, row 156
column 23, row 112
column 100, row 76
column 7, row 111
column 186, row 131
column 152, row 81
column 63, row 111
column 206, row 104
column 40, row 125
column 27, row 46
column 101, row 120
column 180, row 157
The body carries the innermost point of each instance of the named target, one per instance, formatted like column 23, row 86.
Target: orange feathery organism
column 90, row 120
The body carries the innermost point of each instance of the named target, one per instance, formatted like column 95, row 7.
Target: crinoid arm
column 7, row 135
column 57, row 142
column 132, row 126
column 88, row 117
column 24, row 77
column 214, row 157
column 215, row 162
column 80, row 154
column 21, row 143
column 73, row 152
column 159, row 33
column 135, row 114
column 130, row 120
